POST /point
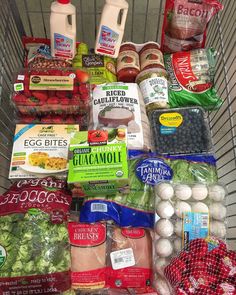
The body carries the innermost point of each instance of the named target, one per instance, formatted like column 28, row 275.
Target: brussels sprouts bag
column 34, row 245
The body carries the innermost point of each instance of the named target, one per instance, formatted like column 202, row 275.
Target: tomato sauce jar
column 127, row 63
column 151, row 56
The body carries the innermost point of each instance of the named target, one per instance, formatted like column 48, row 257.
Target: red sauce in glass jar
column 151, row 56
column 127, row 63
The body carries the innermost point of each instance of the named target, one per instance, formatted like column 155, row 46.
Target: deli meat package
column 185, row 23
column 34, row 242
column 121, row 105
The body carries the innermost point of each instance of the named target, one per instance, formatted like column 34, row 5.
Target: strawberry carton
column 51, row 91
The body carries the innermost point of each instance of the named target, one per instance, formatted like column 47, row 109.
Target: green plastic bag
column 191, row 76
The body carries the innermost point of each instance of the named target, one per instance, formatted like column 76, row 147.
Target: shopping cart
column 31, row 18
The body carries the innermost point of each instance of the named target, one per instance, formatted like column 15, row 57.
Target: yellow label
column 171, row 119
column 51, row 82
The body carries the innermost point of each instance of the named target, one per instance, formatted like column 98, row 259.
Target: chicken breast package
column 130, row 258
column 121, row 105
column 88, row 255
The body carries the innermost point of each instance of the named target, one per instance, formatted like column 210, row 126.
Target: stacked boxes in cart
column 115, row 188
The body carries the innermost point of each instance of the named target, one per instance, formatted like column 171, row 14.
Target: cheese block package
column 40, row 150
column 121, row 105
column 34, row 242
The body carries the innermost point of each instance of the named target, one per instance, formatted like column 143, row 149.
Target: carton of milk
column 98, row 162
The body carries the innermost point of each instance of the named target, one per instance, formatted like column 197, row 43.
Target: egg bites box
column 98, row 162
column 40, row 150
column 181, row 131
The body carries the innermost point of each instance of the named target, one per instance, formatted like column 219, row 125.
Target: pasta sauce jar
column 127, row 63
column 151, row 56
column 154, row 87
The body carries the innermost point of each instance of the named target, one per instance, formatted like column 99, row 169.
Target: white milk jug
column 63, row 29
column 111, row 29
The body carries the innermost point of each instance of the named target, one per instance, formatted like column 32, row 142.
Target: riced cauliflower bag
column 34, row 243
column 121, row 105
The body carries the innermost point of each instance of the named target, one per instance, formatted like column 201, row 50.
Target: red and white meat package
column 205, row 266
column 105, row 256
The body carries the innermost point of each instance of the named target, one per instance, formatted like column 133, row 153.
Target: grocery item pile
column 115, row 188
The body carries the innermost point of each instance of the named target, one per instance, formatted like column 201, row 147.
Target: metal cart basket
column 31, row 18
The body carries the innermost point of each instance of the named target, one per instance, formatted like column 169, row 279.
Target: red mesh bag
column 203, row 267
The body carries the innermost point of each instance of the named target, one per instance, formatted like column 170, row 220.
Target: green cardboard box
column 98, row 162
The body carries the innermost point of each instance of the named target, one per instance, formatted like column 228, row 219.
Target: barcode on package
column 98, row 207
column 122, row 258
column 205, row 220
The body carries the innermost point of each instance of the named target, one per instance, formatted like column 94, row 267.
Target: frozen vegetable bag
column 34, row 244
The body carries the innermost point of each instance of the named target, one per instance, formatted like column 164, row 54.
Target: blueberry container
column 180, row 131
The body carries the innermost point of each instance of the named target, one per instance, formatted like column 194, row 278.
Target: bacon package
column 34, row 242
column 191, row 79
column 185, row 23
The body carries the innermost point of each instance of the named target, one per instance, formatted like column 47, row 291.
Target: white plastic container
column 111, row 31
column 63, row 33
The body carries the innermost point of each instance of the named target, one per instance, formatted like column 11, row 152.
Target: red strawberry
column 47, row 119
column 82, row 76
column 54, row 72
column 57, row 119
column 51, row 93
column 41, row 95
column 29, row 119
column 32, row 101
column 53, row 100
column 19, row 99
column 65, row 101
column 75, row 89
column 27, row 93
column 62, row 93
column 70, row 120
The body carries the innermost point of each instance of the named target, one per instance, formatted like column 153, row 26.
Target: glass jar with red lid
column 151, row 56
column 127, row 63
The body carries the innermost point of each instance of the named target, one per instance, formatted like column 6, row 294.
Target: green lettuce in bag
column 34, row 244
column 102, row 69
column 191, row 77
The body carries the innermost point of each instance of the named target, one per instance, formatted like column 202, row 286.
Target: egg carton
column 172, row 201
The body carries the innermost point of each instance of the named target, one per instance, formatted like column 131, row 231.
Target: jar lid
column 158, row 70
column 63, row 1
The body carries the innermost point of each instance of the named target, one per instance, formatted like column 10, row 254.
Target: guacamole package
column 98, row 162
column 102, row 69
column 34, row 243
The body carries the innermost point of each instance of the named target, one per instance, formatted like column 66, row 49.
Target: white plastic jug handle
column 124, row 16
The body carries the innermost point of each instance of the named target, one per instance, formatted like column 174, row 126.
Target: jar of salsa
column 151, row 56
column 127, row 63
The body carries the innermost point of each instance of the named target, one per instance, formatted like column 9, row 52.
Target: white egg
column 216, row 193
column 217, row 211
column 218, row 229
column 164, row 228
column 200, row 207
column 160, row 264
column 183, row 192
column 177, row 245
column 163, row 247
column 164, row 209
column 178, row 229
column 181, row 207
column 164, row 190
column 199, row 191
column 162, row 287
